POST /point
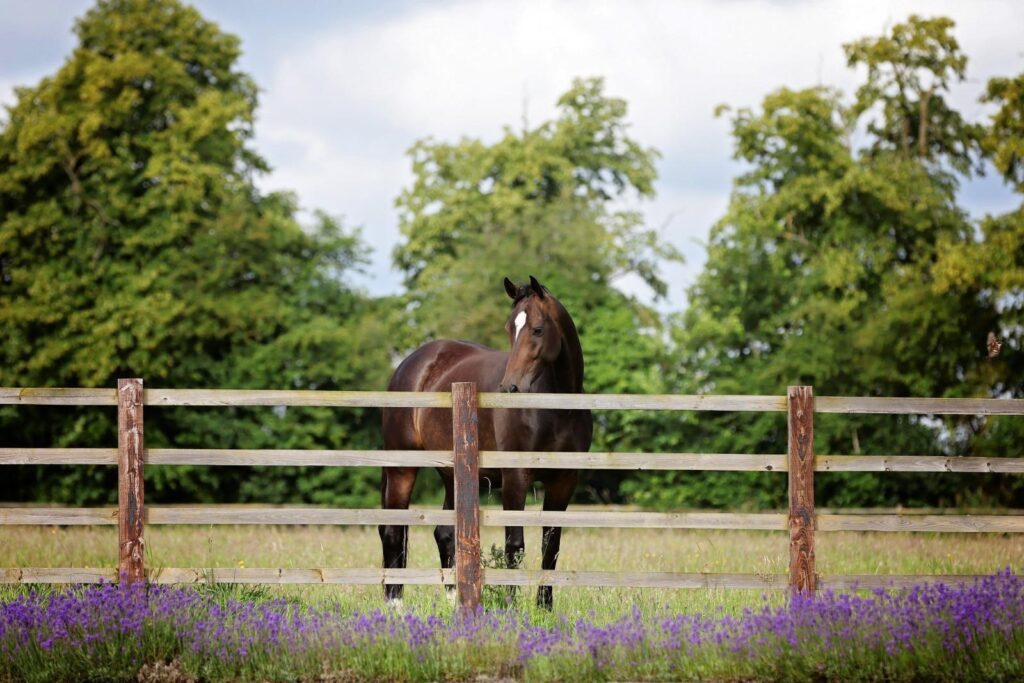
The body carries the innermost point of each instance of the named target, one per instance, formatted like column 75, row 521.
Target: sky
column 348, row 87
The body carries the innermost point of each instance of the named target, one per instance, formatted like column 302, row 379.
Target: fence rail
column 408, row 399
column 800, row 463
column 723, row 462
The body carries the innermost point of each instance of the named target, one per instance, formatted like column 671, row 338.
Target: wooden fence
column 800, row 462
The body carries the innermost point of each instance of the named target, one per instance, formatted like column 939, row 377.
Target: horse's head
column 534, row 334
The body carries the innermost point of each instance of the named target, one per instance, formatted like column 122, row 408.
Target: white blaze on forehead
column 520, row 321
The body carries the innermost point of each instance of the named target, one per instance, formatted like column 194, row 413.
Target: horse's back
column 435, row 367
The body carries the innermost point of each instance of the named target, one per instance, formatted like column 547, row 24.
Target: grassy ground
column 582, row 549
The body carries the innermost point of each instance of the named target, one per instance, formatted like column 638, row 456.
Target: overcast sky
column 347, row 87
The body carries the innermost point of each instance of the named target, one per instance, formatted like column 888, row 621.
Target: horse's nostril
column 513, row 389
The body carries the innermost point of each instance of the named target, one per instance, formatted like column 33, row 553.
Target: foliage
column 908, row 72
column 133, row 242
column 830, row 268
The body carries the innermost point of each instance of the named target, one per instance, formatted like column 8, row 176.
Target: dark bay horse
column 545, row 356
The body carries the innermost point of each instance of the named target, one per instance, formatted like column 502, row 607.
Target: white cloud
column 343, row 108
column 340, row 108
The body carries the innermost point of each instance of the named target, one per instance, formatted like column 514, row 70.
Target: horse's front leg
column 396, row 486
column 558, row 491
column 514, row 485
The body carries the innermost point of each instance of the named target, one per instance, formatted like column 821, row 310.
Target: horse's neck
column 568, row 367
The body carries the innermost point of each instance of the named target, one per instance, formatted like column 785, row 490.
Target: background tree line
column 134, row 242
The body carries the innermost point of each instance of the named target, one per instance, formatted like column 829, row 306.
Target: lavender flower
column 945, row 629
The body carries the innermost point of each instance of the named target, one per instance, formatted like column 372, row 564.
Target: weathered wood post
column 465, row 420
column 130, row 515
column 801, row 489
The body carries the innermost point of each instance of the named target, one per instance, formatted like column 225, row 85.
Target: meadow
column 582, row 549
column 970, row 632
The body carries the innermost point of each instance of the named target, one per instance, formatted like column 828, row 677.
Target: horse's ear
column 510, row 289
column 537, row 287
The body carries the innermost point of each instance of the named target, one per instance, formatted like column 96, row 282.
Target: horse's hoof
column 451, row 594
column 396, row 604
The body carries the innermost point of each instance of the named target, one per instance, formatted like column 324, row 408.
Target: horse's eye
column 537, row 331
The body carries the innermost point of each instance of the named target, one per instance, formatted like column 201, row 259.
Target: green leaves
column 133, row 242
column 1004, row 140
column 907, row 73
column 852, row 268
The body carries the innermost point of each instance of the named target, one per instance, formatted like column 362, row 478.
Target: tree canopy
column 832, row 267
column 133, row 242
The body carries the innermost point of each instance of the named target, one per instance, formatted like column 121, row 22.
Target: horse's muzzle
column 510, row 389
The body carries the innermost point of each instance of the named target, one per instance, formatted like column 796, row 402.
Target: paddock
column 800, row 463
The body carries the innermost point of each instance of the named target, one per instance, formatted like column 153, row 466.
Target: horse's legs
column 395, row 491
column 557, row 492
column 445, row 534
column 514, row 484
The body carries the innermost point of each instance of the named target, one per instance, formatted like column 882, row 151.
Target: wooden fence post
column 130, row 512
column 800, row 406
column 468, row 572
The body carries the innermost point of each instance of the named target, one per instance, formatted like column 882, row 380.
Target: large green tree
column 824, row 271
column 133, row 242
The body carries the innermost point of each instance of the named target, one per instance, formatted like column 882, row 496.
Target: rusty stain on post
column 130, row 512
column 468, row 572
column 801, row 489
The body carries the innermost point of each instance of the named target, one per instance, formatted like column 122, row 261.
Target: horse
column 545, row 356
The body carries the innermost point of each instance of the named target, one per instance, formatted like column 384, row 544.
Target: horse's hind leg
column 557, row 493
column 445, row 534
column 396, row 486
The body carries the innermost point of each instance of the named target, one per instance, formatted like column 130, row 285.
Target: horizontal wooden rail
column 58, row 397
column 698, row 402
column 919, row 406
column 296, row 515
column 363, row 458
column 202, row 514
column 504, row 459
column 380, row 399
column 174, row 575
column 306, row 398
column 918, row 463
column 58, row 456
column 242, row 515
column 942, row 523
column 634, row 461
column 210, row 456
column 637, row 520
column 229, row 457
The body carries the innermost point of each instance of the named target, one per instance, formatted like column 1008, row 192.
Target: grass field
column 343, row 633
column 582, row 549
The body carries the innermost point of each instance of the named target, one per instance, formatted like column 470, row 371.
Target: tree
column 133, row 242
column 993, row 266
column 541, row 201
column 1004, row 139
column 908, row 72
column 823, row 271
